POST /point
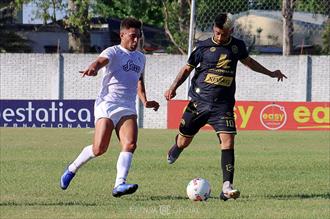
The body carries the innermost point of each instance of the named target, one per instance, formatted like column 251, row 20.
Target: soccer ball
column 198, row 189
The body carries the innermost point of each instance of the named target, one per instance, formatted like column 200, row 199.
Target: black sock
column 175, row 150
column 227, row 164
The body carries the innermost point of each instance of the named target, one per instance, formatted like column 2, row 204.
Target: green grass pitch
column 280, row 175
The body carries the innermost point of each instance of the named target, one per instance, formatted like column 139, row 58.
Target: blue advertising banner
column 47, row 113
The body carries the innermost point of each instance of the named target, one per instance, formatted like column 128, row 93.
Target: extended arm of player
column 141, row 91
column 180, row 78
column 93, row 68
column 256, row 66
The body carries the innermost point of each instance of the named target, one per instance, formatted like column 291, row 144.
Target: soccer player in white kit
column 115, row 108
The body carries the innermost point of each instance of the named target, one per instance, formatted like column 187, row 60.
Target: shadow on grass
column 71, row 203
column 300, row 196
column 162, row 198
column 159, row 197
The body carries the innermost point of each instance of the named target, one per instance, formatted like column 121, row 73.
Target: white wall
column 39, row 76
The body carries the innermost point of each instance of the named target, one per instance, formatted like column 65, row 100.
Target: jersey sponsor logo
column 131, row 66
column 223, row 62
column 221, row 71
column 218, row 80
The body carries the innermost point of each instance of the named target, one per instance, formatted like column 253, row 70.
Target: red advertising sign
column 266, row 115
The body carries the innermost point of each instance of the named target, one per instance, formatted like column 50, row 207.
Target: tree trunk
column 287, row 13
column 79, row 43
column 167, row 30
column 79, row 36
column 181, row 15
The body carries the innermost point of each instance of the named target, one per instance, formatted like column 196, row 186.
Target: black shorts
column 196, row 115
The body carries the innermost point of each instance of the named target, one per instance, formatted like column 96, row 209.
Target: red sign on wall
column 266, row 115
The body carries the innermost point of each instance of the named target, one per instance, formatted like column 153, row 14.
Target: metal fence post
column 309, row 79
column 191, row 39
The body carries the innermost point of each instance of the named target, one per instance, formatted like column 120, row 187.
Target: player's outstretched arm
column 256, row 66
column 93, row 68
column 180, row 78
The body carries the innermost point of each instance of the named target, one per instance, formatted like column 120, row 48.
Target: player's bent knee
column 183, row 141
column 98, row 151
column 129, row 147
column 227, row 145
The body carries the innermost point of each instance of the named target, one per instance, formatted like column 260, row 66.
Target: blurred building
column 104, row 33
column 263, row 30
column 267, row 26
column 8, row 15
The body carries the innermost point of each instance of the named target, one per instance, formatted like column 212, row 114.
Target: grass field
column 280, row 175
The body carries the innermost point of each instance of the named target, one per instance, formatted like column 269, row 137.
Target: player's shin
column 123, row 165
column 174, row 152
column 85, row 155
column 227, row 165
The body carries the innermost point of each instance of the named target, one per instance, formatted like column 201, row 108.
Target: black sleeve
column 242, row 51
column 195, row 57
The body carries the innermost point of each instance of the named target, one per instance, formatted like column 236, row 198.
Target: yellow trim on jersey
column 227, row 132
column 188, row 136
column 191, row 65
column 221, row 44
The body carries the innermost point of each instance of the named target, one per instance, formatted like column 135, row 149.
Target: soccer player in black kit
column 212, row 94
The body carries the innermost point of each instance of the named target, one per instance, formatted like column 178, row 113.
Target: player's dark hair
column 130, row 22
column 220, row 20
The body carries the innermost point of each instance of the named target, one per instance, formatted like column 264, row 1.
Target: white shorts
column 113, row 111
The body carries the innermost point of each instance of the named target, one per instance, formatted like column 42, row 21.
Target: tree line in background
column 172, row 15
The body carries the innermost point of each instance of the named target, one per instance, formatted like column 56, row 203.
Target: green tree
column 326, row 38
column 78, row 25
column 318, row 7
column 176, row 24
column 172, row 15
column 10, row 41
column 314, row 6
column 77, row 22
column 45, row 9
column 149, row 11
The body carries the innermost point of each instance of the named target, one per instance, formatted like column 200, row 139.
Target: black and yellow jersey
column 214, row 78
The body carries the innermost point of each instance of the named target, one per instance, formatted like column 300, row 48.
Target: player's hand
column 278, row 74
column 152, row 104
column 169, row 94
column 89, row 72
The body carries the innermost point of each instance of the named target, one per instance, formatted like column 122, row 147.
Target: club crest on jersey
column 234, row 48
column 212, row 49
column 131, row 66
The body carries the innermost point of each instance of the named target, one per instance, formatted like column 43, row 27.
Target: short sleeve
column 242, row 51
column 195, row 57
column 144, row 64
column 108, row 53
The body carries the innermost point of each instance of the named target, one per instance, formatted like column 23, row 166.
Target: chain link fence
column 260, row 24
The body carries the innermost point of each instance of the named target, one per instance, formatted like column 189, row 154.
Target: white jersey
column 121, row 75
